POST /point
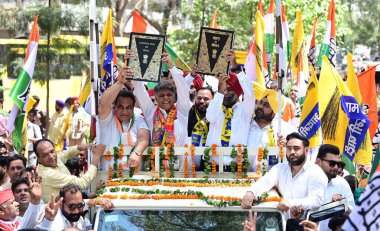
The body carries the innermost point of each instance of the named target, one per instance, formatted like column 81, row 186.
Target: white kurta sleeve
column 183, row 90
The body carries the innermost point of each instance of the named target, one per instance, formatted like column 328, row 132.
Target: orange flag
column 214, row 23
column 368, row 91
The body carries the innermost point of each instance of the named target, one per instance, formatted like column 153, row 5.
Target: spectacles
column 79, row 206
column 333, row 163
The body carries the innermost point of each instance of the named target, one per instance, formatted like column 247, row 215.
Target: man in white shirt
column 71, row 212
column 119, row 123
column 229, row 119
column 300, row 182
column 329, row 159
column 168, row 120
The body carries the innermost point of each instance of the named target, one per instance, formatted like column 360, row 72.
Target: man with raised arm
column 229, row 119
column 120, row 123
column 53, row 171
column 168, row 120
column 300, row 182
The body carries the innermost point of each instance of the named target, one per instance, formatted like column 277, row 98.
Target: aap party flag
column 310, row 124
column 343, row 122
column 108, row 56
column 365, row 216
column 328, row 46
column 21, row 89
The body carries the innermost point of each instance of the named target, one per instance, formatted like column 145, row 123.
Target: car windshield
column 184, row 220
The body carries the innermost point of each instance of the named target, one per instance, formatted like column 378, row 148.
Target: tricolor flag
column 328, row 46
column 365, row 216
column 108, row 56
column 285, row 33
column 364, row 154
column 310, row 123
column 280, row 51
column 343, row 122
column 177, row 61
column 138, row 24
column 311, row 55
column 21, row 89
column 214, row 23
column 269, row 29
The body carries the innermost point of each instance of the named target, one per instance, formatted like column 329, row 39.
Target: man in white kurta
column 330, row 161
column 183, row 103
column 300, row 182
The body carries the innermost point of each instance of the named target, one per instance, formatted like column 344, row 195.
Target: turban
column 6, row 195
column 272, row 97
column 258, row 89
column 60, row 103
column 197, row 82
column 151, row 92
column 234, row 83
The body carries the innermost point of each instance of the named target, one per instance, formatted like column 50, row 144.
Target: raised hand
column 166, row 58
column 247, row 201
column 250, row 225
column 231, row 57
column 97, row 153
column 84, row 147
column 194, row 70
column 52, row 207
column 128, row 54
column 35, row 188
column 222, row 85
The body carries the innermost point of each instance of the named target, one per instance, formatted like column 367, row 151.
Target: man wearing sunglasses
column 72, row 211
column 329, row 159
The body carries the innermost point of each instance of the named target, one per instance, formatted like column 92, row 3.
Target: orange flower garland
column 260, row 155
column 108, row 156
column 110, row 174
column 213, row 150
column 186, row 165
column 152, row 152
column 281, row 151
column 258, row 170
column 121, row 151
column 192, row 151
column 239, row 161
column 213, row 167
column 120, row 170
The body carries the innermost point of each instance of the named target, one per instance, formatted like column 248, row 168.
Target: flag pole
column 279, row 72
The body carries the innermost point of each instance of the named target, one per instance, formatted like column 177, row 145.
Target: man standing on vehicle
column 301, row 183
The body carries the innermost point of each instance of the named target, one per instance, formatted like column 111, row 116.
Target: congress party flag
column 311, row 55
column 21, row 89
column 343, row 122
column 328, row 46
column 176, row 59
column 285, row 33
column 108, row 58
column 310, row 123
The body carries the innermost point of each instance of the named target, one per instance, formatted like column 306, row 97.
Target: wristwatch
column 138, row 152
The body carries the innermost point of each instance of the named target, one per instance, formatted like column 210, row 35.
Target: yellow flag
column 364, row 154
column 259, row 48
column 310, row 123
column 343, row 122
column 297, row 42
column 86, row 90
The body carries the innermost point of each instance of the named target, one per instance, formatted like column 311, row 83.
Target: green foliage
column 239, row 16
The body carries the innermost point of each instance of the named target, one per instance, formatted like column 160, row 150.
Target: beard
column 259, row 115
column 72, row 217
column 296, row 161
column 230, row 101
column 2, row 174
column 331, row 175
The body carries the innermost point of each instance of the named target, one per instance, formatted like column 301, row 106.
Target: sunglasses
column 79, row 206
column 333, row 163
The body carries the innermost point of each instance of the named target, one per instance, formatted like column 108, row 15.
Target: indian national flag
column 269, row 29
column 21, row 89
column 139, row 25
column 287, row 42
column 328, row 46
column 177, row 61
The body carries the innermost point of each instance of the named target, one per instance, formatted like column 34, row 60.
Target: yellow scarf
column 226, row 130
column 200, row 131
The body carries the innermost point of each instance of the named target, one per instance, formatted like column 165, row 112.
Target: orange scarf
column 163, row 130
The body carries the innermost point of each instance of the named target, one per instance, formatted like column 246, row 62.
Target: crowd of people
column 46, row 185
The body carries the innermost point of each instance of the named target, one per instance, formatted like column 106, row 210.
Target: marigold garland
column 192, row 151
column 120, row 170
column 186, row 165
column 151, row 153
column 281, row 152
column 213, row 167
